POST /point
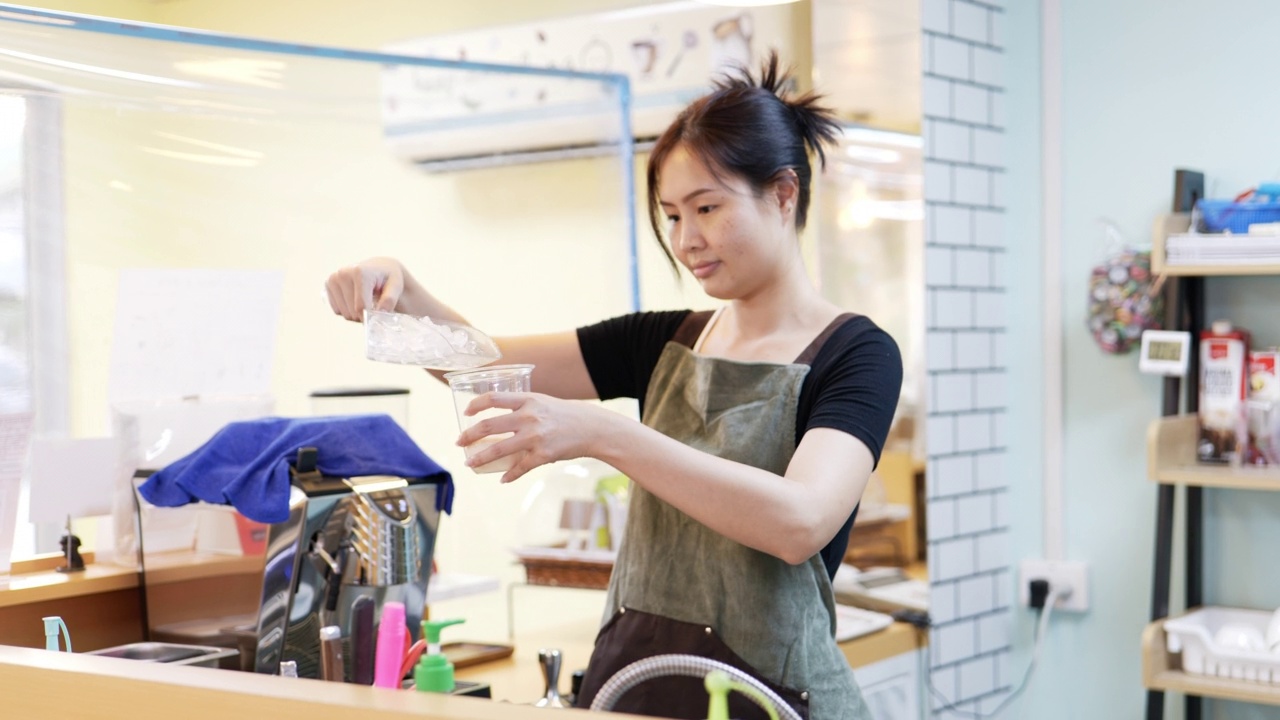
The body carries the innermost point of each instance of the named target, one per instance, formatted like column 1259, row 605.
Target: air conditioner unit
column 453, row 118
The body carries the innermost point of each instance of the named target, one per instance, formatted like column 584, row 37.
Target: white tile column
column 968, row 524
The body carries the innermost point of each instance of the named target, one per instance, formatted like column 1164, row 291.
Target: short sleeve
column 620, row 353
column 854, row 384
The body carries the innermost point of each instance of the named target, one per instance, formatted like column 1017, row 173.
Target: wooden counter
column 36, row 581
column 104, row 603
column 42, row 684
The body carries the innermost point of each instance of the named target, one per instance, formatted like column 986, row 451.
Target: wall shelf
column 1163, row 671
column 1171, row 459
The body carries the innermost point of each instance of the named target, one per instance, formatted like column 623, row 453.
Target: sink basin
column 171, row 653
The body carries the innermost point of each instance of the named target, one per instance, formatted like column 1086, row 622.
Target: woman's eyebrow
column 690, row 196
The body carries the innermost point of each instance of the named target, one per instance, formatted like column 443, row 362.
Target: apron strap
column 690, row 329
column 811, row 352
column 696, row 324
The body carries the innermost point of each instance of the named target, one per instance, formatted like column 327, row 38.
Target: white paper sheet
column 155, row 433
column 74, row 477
column 190, row 332
column 15, row 434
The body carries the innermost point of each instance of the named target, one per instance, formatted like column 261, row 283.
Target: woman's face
column 733, row 242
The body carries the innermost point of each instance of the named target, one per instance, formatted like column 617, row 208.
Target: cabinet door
column 891, row 687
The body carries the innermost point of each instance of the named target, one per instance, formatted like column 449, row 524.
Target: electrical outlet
column 1074, row 575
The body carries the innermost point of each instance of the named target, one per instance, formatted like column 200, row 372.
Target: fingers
column 503, row 400
column 500, row 425
column 339, row 292
column 495, row 451
column 336, row 301
column 523, row 431
column 374, row 284
column 355, row 297
column 389, row 293
column 527, row 462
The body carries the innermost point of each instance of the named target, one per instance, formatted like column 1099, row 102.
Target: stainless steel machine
column 268, row 590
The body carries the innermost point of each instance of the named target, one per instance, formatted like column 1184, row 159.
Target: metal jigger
column 550, row 661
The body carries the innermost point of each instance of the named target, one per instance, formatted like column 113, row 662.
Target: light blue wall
column 1148, row 85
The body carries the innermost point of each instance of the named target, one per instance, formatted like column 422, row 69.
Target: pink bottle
column 389, row 654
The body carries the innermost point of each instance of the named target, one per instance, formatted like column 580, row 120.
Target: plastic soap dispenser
column 434, row 672
column 52, row 625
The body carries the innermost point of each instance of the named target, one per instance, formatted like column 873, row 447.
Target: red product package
column 1224, row 371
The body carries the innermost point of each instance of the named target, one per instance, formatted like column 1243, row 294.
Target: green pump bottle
column 434, row 672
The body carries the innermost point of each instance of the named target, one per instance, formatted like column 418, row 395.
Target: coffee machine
column 345, row 539
column 270, row 593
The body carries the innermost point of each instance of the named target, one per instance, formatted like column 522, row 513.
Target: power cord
column 1042, row 598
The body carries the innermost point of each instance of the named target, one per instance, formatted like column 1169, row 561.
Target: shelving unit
column 1171, row 462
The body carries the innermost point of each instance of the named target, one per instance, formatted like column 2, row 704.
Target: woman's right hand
column 373, row 284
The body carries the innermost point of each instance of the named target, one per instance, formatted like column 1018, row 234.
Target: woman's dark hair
column 750, row 130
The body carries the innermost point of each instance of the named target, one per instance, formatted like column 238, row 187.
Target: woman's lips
column 705, row 269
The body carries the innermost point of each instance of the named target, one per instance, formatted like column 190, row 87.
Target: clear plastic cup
column 467, row 385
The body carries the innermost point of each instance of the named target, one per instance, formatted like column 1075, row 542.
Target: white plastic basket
column 1193, row 635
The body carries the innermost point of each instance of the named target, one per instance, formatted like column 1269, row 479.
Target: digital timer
column 1165, row 352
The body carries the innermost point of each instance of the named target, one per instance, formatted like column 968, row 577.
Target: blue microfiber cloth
column 246, row 464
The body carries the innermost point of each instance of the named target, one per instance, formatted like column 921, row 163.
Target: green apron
column 680, row 587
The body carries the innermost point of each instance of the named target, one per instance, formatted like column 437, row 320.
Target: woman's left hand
column 544, row 429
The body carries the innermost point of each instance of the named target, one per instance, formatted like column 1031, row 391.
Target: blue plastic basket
column 1223, row 215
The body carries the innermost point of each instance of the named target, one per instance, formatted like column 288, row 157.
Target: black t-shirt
column 853, row 384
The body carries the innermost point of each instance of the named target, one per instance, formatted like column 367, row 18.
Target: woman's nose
column 688, row 237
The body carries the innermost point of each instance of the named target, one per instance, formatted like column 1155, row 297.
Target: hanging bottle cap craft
column 1124, row 300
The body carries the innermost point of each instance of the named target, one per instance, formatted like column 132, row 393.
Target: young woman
column 760, row 422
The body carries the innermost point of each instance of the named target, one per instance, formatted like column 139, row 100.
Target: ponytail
column 751, row 130
column 817, row 124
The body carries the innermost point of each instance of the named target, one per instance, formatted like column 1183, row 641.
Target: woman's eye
column 705, row 209
column 673, row 219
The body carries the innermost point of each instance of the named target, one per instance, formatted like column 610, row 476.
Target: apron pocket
column 632, row 635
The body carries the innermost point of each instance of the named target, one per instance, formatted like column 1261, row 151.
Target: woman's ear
column 786, row 191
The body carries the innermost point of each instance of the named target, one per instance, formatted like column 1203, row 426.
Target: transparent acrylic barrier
column 153, row 148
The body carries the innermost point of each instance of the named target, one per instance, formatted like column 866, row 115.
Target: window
column 33, row 341
column 15, row 360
